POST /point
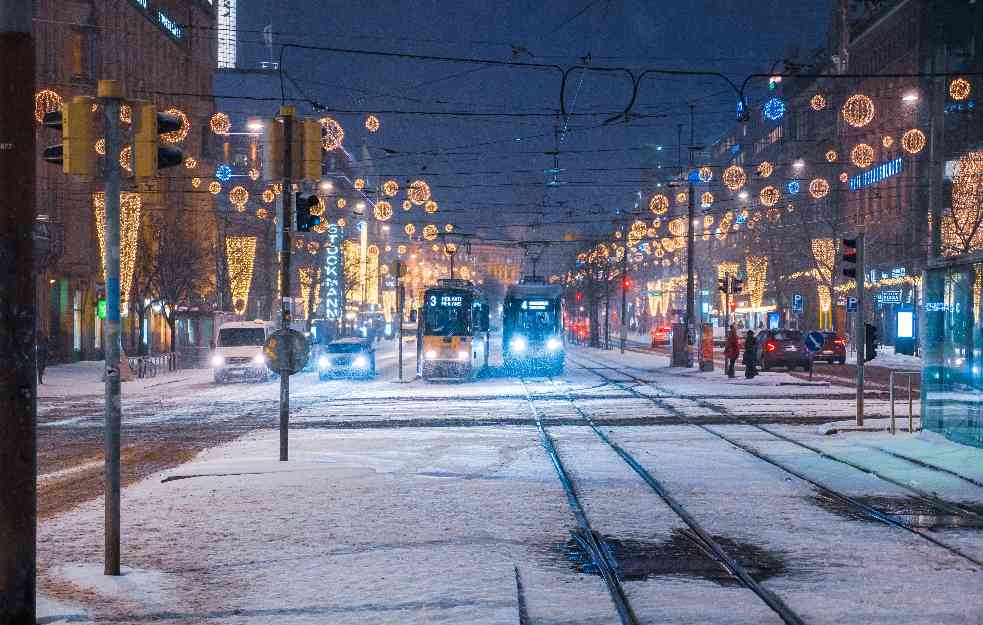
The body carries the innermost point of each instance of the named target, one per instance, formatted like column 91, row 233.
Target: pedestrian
column 731, row 350
column 750, row 356
column 41, row 348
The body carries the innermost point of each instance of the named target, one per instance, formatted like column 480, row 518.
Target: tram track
column 864, row 509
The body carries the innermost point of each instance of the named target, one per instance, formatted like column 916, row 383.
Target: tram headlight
column 259, row 359
column 462, row 355
column 218, row 360
column 430, row 355
column 361, row 362
column 518, row 344
column 323, row 362
column 554, row 344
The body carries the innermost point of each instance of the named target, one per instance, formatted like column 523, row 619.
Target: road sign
column 815, row 341
column 286, row 351
column 851, row 304
column 796, row 303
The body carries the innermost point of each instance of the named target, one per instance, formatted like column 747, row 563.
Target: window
column 77, row 321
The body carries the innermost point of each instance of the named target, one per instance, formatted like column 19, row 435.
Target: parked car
column 350, row 357
column 834, row 349
column 782, row 348
column 661, row 335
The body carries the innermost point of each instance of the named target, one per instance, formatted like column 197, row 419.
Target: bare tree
column 181, row 273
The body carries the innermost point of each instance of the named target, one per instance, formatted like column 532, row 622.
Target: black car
column 782, row 348
column 349, row 357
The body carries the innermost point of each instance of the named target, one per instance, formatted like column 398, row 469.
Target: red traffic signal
column 579, row 296
column 626, row 283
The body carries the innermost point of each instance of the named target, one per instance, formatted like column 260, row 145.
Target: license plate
column 791, row 348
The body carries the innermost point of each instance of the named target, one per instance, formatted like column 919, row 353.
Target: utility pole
column 286, row 248
column 111, row 99
column 690, row 241
column 400, row 303
column 624, row 285
column 18, row 373
column 859, row 330
column 727, row 302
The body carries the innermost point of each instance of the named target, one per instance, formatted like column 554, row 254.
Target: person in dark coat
column 750, row 356
column 42, row 356
column 732, row 350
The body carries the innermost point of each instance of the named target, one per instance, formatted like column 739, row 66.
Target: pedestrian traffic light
column 76, row 120
column 850, row 258
column 148, row 156
column 870, row 342
column 724, row 284
column 306, row 219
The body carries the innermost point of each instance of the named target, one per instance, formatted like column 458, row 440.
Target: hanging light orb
column 448, row 227
column 430, row 206
column 831, row 156
column 765, row 169
column 793, row 187
column 659, row 204
column 46, row 101
column 268, row 196
column 407, row 205
column 382, row 210
column 959, row 89
column 312, row 247
column 262, row 213
column 887, row 141
column 190, row 162
column 706, row 199
column 220, row 124
column 843, row 176
column 430, row 232
column 409, row 229
column 372, row 123
column 333, row 134
column 359, row 184
column 858, row 110
column 818, row 102
column 126, row 113
column 418, row 192
column 913, row 141
column 769, row 196
column 125, row 158
column 818, row 188
column 734, row 177
column 681, row 197
column 774, row 109
column 341, row 203
column 100, row 147
column 862, row 155
column 321, row 227
column 195, row 182
column 238, row 196
column 390, row 187
column 342, row 222
column 401, row 249
column 254, row 174
column 278, row 188
column 706, row 174
column 181, row 133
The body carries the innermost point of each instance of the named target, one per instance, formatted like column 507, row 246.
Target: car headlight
column 217, row 361
column 259, row 359
column 518, row 344
column 430, row 355
column 554, row 344
column 462, row 355
column 324, row 362
column 361, row 362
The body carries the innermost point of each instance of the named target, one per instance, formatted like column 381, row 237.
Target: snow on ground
column 887, row 358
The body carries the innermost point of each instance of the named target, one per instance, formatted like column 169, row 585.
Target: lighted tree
column 962, row 226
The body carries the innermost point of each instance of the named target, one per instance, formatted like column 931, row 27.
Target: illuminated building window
column 227, row 33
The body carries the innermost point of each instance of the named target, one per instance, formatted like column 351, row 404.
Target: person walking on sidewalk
column 750, row 356
column 731, row 350
column 41, row 348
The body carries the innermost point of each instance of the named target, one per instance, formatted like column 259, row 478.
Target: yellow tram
column 453, row 331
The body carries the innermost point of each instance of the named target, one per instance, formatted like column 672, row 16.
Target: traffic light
column 724, row 283
column 579, row 297
column 305, row 148
column 626, row 283
column 736, row 285
column 306, row 219
column 870, row 342
column 76, row 154
column 148, row 156
column 850, row 258
column 311, row 149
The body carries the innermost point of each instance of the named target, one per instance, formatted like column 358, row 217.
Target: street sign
column 889, row 297
column 796, row 303
column 286, row 351
column 851, row 304
column 815, row 341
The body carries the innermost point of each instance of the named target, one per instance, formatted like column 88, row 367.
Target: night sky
column 488, row 170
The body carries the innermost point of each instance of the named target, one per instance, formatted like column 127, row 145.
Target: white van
column 238, row 352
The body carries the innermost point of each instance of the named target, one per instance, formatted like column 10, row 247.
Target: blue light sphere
column 773, row 109
column 223, row 173
column 793, row 187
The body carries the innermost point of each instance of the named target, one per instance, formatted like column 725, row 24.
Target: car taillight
column 840, row 341
column 771, row 346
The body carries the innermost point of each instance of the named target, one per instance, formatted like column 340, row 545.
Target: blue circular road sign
column 815, row 341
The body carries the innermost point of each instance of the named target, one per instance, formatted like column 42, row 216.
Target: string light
column 724, row 226
column 238, row 196
column 831, row 156
column 310, row 282
column 818, row 188
column 240, row 255
column 677, row 227
column 407, row 205
column 341, row 203
column 129, row 238
column 818, row 102
column 734, row 177
column 333, row 134
column 843, row 176
column 268, row 196
column 765, row 169
column 46, row 101
column 858, row 110
column 190, row 162
column 705, row 174
column 774, row 109
column 960, row 231
column 359, row 184
column 101, row 147
column 913, row 141
column 318, row 210
column 262, row 213
column 409, row 229
column 196, row 182
column 959, row 89
column 430, row 232
column 887, row 141
column 862, row 155
column 418, row 192
column 448, row 227
column 312, row 247
column 372, row 123
column 382, row 210
column 125, row 158
column 390, row 187
column 659, row 204
column 824, row 251
column 769, row 196
column 254, row 174
column 706, row 199
column 278, row 188
column 430, row 206
column 220, row 123
column 126, row 114
column 321, row 227
column 757, row 271
column 401, row 250
column 681, row 197
column 181, row 133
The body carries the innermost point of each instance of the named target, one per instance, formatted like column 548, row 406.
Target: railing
column 911, row 418
column 150, row 366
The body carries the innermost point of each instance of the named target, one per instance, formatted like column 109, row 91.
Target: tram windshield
column 533, row 317
column 448, row 313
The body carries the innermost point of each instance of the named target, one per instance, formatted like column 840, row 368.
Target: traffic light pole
column 690, row 245
column 726, row 302
column 18, row 375
column 111, row 101
column 859, row 333
column 285, row 257
column 624, row 287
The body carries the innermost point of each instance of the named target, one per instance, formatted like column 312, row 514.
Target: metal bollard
column 890, row 378
column 911, row 418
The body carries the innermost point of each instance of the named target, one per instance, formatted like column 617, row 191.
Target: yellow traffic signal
column 311, row 150
column 78, row 137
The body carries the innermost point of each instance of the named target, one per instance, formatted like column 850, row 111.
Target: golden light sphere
column 734, row 177
column 262, row 213
column 706, row 199
column 321, row 227
column 818, row 102
column 418, row 192
column 372, row 123
column 448, row 227
column 887, row 141
column 858, row 110
column 430, row 206
column 659, row 204
column 705, row 174
column 862, row 155
column 844, row 177
column 341, row 203
column 220, row 124
column 430, row 232
column 342, row 222
column 181, row 133
column 409, row 229
column 407, row 205
column 959, row 89
column 312, row 247
column 318, row 210
column 359, row 184
column 818, row 188
column 913, row 141
column 126, row 113
column 382, row 210
column 401, row 250
column 125, row 158
column 195, row 182
column 278, row 188
column 769, row 196
column 333, row 134
column 765, row 169
column 268, row 196
column 45, row 101
column 831, row 156
column 238, row 195
column 390, row 187
column 100, row 147
column 681, row 197
column 190, row 162
column 254, row 174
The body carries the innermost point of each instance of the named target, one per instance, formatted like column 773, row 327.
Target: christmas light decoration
column 190, row 162
column 677, row 227
column 341, row 203
column 390, row 187
column 126, row 113
column 659, row 204
column 238, row 196
column 681, row 197
column 818, row 102
column 278, row 188
column 254, row 174
column 862, row 155
column 372, row 123
column 220, row 124
column 268, row 196
column 342, row 222
column 913, row 141
column 310, row 285
column 726, row 269
column 858, row 110
column 318, row 210
column 401, row 250
column 448, row 227
column 831, row 156
column 844, row 177
column 46, row 101
column 887, row 141
column 734, row 177
column 125, row 157
column 196, row 182
column 181, row 133
column 382, row 210
column 409, row 229
column 430, row 206
column 298, row 244
column 960, row 226
column 262, row 213
column 333, row 134
column 321, row 227
column 430, row 232
column 769, row 196
column 757, row 272
column 765, row 169
column 706, row 199
column 223, row 172
column 240, row 255
column 818, row 188
column 101, row 147
column 773, row 110
column 793, row 187
column 959, row 89
column 724, row 226
column 418, row 192
column 705, row 174
column 407, row 205
column 313, row 247
column 129, row 238
column 359, row 184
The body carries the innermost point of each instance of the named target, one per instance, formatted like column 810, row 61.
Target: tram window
column 448, row 320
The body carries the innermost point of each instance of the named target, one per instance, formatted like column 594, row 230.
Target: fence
column 150, row 366
column 911, row 419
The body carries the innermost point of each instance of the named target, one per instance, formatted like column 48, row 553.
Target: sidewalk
column 84, row 378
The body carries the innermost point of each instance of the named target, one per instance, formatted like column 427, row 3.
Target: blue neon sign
column 876, row 174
